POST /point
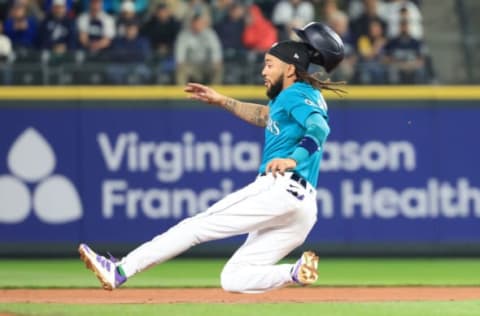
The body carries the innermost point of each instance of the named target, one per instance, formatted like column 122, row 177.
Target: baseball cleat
column 304, row 271
column 105, row 269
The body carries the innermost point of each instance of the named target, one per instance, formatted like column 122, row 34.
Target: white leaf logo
column 56, row 201
column 15, row 200
column 31, row 158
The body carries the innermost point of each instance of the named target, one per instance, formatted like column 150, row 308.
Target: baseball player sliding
column 278, row 209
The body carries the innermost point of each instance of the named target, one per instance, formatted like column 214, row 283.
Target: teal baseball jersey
column 286, row 127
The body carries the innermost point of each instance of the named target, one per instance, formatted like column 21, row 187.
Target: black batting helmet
column 327, row 46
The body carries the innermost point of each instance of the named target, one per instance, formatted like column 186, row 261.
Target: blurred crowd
column 214, row 42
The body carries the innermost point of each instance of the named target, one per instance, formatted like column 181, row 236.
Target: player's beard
column 275, row 88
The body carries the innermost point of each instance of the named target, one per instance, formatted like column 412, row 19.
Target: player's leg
column 253, row 268
column 259, row 205
column 264, row 203
column 217, row 222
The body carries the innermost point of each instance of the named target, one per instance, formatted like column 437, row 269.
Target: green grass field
column 205, row 273
column 323, row 309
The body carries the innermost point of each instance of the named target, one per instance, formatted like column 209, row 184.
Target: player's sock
column 121, row 272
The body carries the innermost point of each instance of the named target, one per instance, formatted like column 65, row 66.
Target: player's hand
column 203, row 93
column 280, row 165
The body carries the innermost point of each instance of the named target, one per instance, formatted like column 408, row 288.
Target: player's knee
column 229, row 279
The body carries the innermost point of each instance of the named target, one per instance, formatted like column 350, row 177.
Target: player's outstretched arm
column 255, row 114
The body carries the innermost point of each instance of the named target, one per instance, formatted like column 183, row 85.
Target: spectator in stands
column 198, row 53
column 404, row 10
column 258, row 37
column 405, row 57
column 127, row 16
column 178, row 8
column 6, row 56
column 360, row 26
column 230, row 29
column 33, row 8
column 48, row 6
column 259, row 34
column 162, row 30
column 338, row 21
column 5, row 45
column 196, row 8
column 128, row 57
column 57, row 32
column 220, row 9
column 357, row 7
column 327, row 9
column 371, row 69
column 96, row 30
column 288, row 14
column 21, row 28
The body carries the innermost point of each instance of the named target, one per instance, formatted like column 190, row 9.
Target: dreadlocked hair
column 316, row 80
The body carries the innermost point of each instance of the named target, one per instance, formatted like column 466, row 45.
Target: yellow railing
column 240, row 92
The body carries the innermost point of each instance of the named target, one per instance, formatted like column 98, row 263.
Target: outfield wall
column 114, row 167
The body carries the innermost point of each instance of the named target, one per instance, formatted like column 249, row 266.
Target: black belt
column 295, row 177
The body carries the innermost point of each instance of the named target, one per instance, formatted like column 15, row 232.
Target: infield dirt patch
column 200, row 295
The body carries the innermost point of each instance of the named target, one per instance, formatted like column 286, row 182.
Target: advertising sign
column 118, row 175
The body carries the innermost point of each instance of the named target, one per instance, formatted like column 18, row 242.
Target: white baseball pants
column 277, row 222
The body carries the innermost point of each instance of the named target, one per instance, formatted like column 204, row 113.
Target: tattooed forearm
column 256, row 114
column 261, row 116
column 231, row 104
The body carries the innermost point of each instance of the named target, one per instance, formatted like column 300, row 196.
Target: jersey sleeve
column 82, row 23
column 300, row 106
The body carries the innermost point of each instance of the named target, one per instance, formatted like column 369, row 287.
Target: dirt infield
column 198, row 295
